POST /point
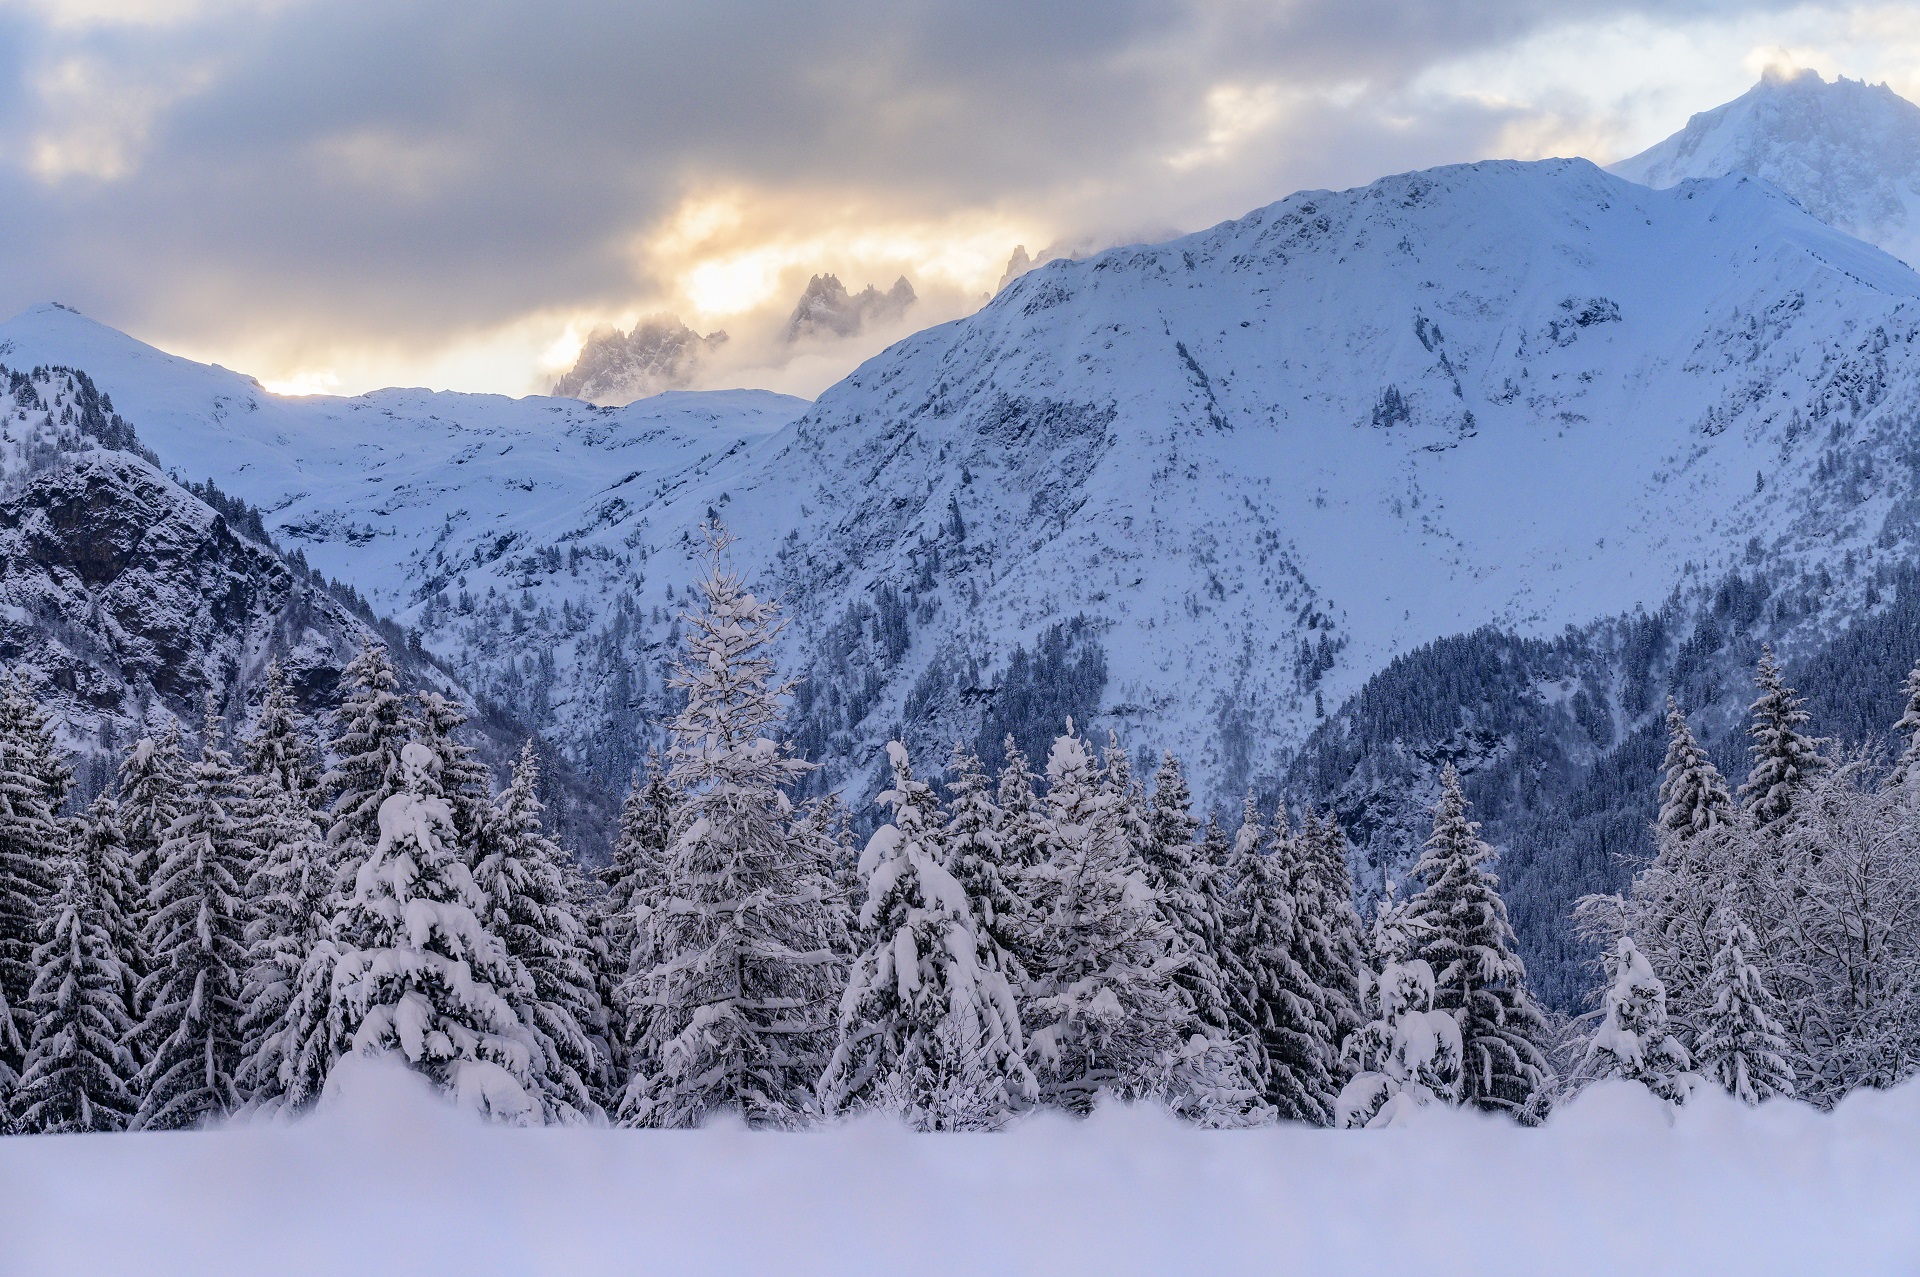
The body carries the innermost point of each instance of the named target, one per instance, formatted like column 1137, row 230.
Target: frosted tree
column 1026, row 834
column 526, row 880
column 1907, row 770
column 1105, row 1014
column 926, row 1030
column 152, row 780
column 293, row 888
column 108, row 865
column 1407, row 1057
column 631, row 881
column 277, row 750
column 79, row 1075
column 419, row 974
column 1461, row 929
column 976, row 856
column 1284, row 1011
column 33, row 784
column 1741, row 1046
column 196, row 942
column 1632, row 1041
column 1188, row 903
column 1670, row 908
column 1784, row 757
column 465, row 782
column 373, row 728
column 741, row 997
column 1693, row 795
column 1335, row 954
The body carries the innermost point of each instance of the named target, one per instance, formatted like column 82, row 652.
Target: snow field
column 386, row 1178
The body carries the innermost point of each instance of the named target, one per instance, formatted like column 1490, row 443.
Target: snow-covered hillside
column 1849, row 151
column 1260, row 461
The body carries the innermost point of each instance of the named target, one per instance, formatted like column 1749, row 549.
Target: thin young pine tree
column 33, row 785
column 1632, row 1041
column 196, row 942
column 1741, row 1046
column 1784, row 757
column 741, row 996
column 631, row 884
column 1462, row 931
column 925, row 1030
column 530, row 904
column 79, row 1075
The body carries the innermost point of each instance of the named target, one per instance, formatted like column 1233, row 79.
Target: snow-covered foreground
column 388, row 1180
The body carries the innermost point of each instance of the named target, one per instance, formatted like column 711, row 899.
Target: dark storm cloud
column 397, row 170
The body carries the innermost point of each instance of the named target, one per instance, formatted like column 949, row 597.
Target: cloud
column 457, row 193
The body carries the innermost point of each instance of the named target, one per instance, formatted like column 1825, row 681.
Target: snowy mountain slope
column 129, row 599
column 1260, row 462
column 1848, row 151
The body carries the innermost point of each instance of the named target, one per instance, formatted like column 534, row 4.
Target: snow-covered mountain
column 1256, row 464
column 1849, row 151
column 661, row 353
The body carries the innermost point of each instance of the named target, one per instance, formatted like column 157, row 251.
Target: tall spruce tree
column 1693, row 796
column 1336, row 958
column 530, row 904
column 465, row 782
column 419, row 974
column 34, row 782
column 196, row 942
column 373, row 728
column 741, row 998
column 631, row 884
column 293, row 889
column 1462, row 931
column 1741, row 1046
column 79, row 1075
column 1286, row 1014
column 1106, row 1017
column 153, row 778
column 976, row 856
column 926, row 1030
column 1784, row 757
column 1187, row 904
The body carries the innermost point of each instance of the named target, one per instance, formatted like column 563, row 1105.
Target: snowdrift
column 386, row 1179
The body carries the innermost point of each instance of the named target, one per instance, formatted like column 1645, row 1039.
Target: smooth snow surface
column 388, row 1180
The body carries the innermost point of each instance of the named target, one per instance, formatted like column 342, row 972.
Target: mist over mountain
column 1847, row 150
column 660, row 353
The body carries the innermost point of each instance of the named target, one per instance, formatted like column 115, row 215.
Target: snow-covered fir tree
column 1407, row 1057
column 465, row 782
column 1907, row 770
column 1741, row 1046
column 1461, row 931
column 1335, row 954
column 79, row 1075
column 153, row 778
column 1693, row 795
column 630, row 887
column 196, row 943
column 1784, row 757
column 741, row 998
column 976, row 856
column 420, row 975
column 33, row 842
column 373, row 728
column 1286, row 1014
column 526, row 880
column 1189, row 904
column 293, row 889
column 1105, row 1016
column 925, row 1029
column 1632, row 1041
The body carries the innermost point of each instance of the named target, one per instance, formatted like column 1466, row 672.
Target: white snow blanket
column 387, row 1179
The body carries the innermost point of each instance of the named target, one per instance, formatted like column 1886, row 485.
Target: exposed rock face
column 828, row 310
column 615, row 368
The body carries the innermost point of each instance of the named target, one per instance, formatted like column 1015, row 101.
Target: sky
column 453, row 193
